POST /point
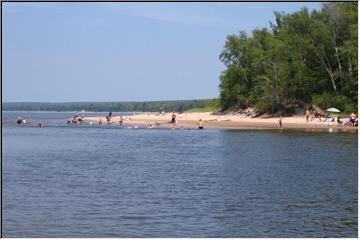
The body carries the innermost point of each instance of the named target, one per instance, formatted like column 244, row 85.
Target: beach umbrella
column 333, row 110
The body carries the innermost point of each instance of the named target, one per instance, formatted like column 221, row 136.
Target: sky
column 71, row 52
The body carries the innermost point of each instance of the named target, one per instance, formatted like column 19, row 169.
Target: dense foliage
column 305, row 58
column 154, row 106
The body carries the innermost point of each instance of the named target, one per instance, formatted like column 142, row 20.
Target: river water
column 110, row 181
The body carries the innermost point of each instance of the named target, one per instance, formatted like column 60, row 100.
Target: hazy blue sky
column 60, row 52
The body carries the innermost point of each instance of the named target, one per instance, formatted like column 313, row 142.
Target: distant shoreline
column 129, row 106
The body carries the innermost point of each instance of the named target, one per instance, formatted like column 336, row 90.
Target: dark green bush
column 327, row 100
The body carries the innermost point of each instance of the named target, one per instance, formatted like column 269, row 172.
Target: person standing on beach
column 121, row 120
column 173, row 118
column 200, row 124
column 307, row 115
column 339, row 121
column 108, row 117
column 280, row 122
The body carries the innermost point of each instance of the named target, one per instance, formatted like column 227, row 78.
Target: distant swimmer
column 150, row 126
column 19, row 120
column 200, row 124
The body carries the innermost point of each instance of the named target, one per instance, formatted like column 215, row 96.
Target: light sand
column 231, row 121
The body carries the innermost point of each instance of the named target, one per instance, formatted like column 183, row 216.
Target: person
column 312, row 117
column 80, row 119
column 121, row 120
column 352, row 119
column 39, row 125
column 200, row 124
column 338, row 121
column 318, row 115
column 19, row 120
column 280, row 122
column 75, row 118
column 100, row 121
column 307, row 115
column 330, row 120
column 108, row 117
column 173, row 117
column 150, row 126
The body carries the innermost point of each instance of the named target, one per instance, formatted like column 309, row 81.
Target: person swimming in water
column 19, row 120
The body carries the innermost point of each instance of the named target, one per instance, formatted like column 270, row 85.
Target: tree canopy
column 304, row 58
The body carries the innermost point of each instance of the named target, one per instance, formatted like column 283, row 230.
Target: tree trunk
column 276, row 83
column 350, row 67
column 328, row 68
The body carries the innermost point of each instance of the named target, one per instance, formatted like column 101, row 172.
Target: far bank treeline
column 154, row 106
column 304, row 58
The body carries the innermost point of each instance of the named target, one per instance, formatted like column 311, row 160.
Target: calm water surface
column 90, row 181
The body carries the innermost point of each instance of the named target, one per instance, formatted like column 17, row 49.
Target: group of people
column 310, row 116
column 21, row 120
column 77, row 118
column 174, row 121
column 330, row 120
column 352, row 121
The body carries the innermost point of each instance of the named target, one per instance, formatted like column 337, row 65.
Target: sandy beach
column 210, row 120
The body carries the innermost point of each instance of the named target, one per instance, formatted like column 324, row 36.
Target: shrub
column 327, row 100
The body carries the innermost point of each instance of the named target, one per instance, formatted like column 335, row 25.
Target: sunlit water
column 91, row 181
